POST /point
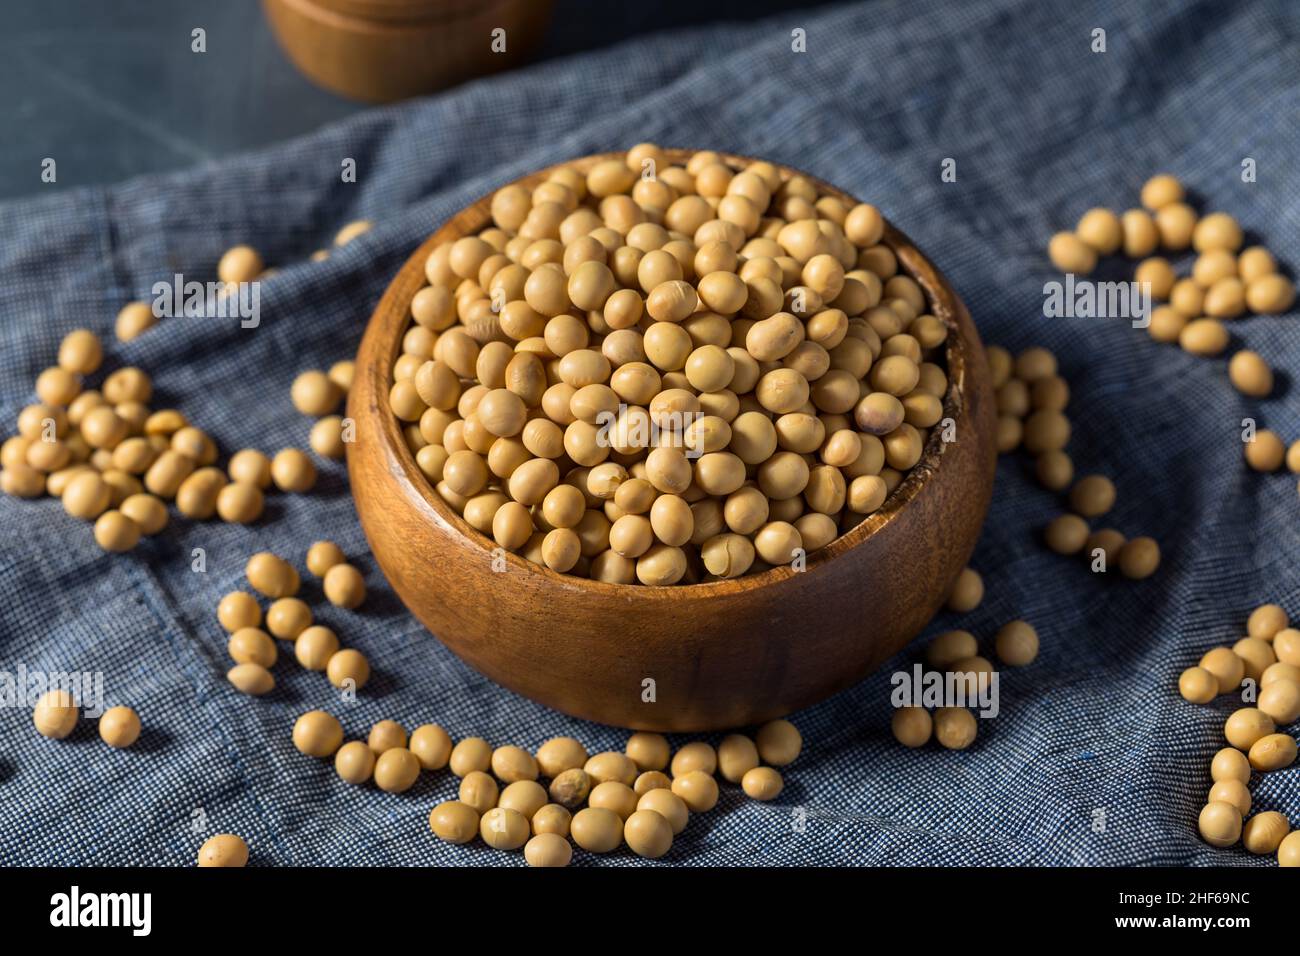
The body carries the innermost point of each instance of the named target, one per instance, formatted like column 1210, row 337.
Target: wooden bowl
column 384, row 50
column 689, row 657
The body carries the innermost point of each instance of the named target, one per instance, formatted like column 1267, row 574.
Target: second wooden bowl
column 384, row 50
column 692, row 657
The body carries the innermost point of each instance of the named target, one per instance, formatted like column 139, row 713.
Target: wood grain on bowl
column 692, row 657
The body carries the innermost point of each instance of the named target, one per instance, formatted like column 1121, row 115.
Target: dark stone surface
column 111, row 89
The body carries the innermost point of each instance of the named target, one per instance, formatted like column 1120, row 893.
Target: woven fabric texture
column 1094, row 758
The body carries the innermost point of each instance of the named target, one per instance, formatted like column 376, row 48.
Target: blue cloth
column 1041, row 128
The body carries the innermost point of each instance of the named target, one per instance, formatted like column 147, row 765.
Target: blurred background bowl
column 384, row 50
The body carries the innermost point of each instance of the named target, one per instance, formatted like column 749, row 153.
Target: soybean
column 596, row 829
column 344, row 586
column 698, row 790
column 317, row 734
column 252, row 679
column 967, row 591
column 1016, row 643
column 396, row 770
column 1220, row 824
column 552, row 818
column 55, row 714
column 315, row 646
column 354, row 762
column 454, row 822
column 560, row 754
column 912, row 726
column 673, row 320
column 223, row 850
column 548, row 850
column 648, row 834
column 954, row 727
column 648, row 751
column 762, row 783
column 1263, row 833
column 348, row 667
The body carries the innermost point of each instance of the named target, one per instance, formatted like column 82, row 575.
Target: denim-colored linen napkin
column 1093, row 759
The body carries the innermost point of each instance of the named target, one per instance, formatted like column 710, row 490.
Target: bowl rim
column 392, row 318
